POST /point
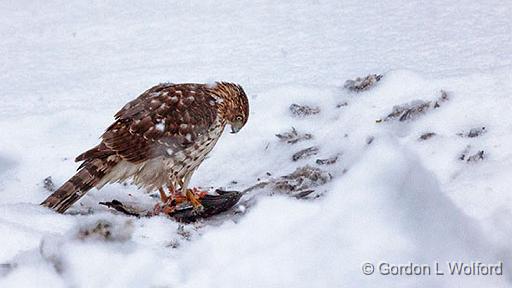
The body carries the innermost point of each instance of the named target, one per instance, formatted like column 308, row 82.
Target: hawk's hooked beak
column 236, row 126
column 234, row 129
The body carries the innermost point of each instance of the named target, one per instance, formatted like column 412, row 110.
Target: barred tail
column 88, row 176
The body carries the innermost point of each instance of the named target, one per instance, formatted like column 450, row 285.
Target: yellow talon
column 193, row 198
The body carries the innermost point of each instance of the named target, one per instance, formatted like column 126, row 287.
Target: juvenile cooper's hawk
column 158, row 140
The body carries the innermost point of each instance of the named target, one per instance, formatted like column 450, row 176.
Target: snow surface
column 67, row 67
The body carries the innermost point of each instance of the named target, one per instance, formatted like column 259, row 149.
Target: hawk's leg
column 163, row 196
column 192, row 195
column 176, row 195
column 168, row 203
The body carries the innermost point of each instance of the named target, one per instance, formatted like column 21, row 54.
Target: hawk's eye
column 238, row 118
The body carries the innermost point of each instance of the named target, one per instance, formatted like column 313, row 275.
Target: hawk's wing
column 164, row 119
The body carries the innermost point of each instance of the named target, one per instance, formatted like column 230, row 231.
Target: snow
column 67, row 67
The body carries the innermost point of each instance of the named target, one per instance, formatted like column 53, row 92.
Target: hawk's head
column 234, row 107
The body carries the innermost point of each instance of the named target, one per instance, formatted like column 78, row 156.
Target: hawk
column 158, row 140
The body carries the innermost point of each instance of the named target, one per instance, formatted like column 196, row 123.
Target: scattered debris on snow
column 426, row 136
column 292, row 137
column 106, row 230
column 305, row 153
column 299, row 182
column 48, row 184
column 327, row 161
column 464, row 153
column 302, row 111
column 342, row 104
column 476, row 157
column 473, row 132
column 184, row 233
column 414, row 109
column 362, row 83
column 408, row 111
column 174, row 243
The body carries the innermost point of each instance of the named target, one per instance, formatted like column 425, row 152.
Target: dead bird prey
column 158, row 140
